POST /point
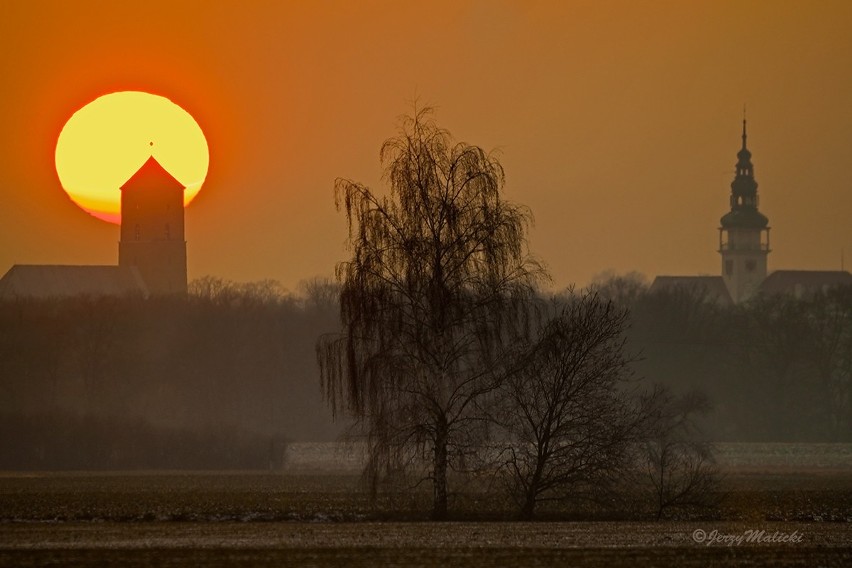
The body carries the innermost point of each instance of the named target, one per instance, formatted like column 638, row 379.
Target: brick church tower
column 152, row 229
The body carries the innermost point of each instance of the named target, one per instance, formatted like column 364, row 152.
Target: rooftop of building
column 712, row 287
column 56, row 281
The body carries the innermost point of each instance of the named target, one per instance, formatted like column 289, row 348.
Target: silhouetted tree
column 95, row 346
column 828, row 349
column 772, row 368
column 570, row 421
column 438, row 270
column 623, row 289
column 320, row 293
column 683, row 337
column 680, row 469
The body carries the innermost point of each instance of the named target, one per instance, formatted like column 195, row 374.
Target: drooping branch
column 433, row 289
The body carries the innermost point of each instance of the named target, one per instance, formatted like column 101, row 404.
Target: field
column 316, row 513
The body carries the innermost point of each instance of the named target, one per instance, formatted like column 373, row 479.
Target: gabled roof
column 46, row 281
column 152, row 176
column 799, row 282
column 713, row 286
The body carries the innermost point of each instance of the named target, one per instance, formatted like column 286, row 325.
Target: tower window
column 729, row 267
column 751, row 265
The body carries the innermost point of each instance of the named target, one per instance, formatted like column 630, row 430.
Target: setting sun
column 104, row 143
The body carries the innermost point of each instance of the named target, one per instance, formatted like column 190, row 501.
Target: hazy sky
column 618, row 123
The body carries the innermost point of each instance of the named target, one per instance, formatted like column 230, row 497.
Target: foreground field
column 322, row 516
column 414, row 544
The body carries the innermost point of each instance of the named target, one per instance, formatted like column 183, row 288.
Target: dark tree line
column 232, row 364
column 777, row 368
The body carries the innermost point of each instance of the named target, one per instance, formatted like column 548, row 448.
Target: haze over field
column 250, row 383
column 618, row 122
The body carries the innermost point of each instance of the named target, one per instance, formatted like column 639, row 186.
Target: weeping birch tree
column 436, row 283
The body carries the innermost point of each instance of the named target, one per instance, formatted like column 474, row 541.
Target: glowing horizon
column 617, row 123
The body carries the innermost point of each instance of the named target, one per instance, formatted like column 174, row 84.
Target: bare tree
column 623, row 289
column 679, row 466
column 570, row 422
column 828, row 353
column 319, row 293
column 774, row 371
column 94, row 346
column 438, row 269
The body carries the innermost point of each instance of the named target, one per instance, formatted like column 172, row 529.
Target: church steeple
column 744, row 231
column 744, row 166
column 744, row 199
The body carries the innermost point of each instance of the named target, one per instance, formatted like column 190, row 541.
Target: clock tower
column 744, row 233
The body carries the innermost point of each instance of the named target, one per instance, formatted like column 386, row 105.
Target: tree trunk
column 439, row 479
column 528, row 510
column 531, row 496
column 661, row 490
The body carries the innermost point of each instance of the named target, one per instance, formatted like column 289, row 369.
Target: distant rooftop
column 53, row 281
column 712, row 286
column 804, row 282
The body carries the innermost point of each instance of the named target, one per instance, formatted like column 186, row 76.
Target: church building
column 744, row 247
column 151, row 249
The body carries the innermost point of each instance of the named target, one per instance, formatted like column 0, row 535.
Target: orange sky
column 618, row 121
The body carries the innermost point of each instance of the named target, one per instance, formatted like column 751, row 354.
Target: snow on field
column 349, row 457
column 337, row 457
column 793, row 456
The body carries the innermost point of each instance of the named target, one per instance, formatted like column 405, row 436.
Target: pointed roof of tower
column 744, row 212
column 152, row 176
column 744, row 155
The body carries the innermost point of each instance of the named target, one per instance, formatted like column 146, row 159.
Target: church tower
column 152, row 230
column 744, row 233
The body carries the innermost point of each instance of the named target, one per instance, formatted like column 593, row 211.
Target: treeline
column 228, row 371
column 68, row 441
column 778, row 368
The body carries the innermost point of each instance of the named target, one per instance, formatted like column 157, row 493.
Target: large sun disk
column 105, row 142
